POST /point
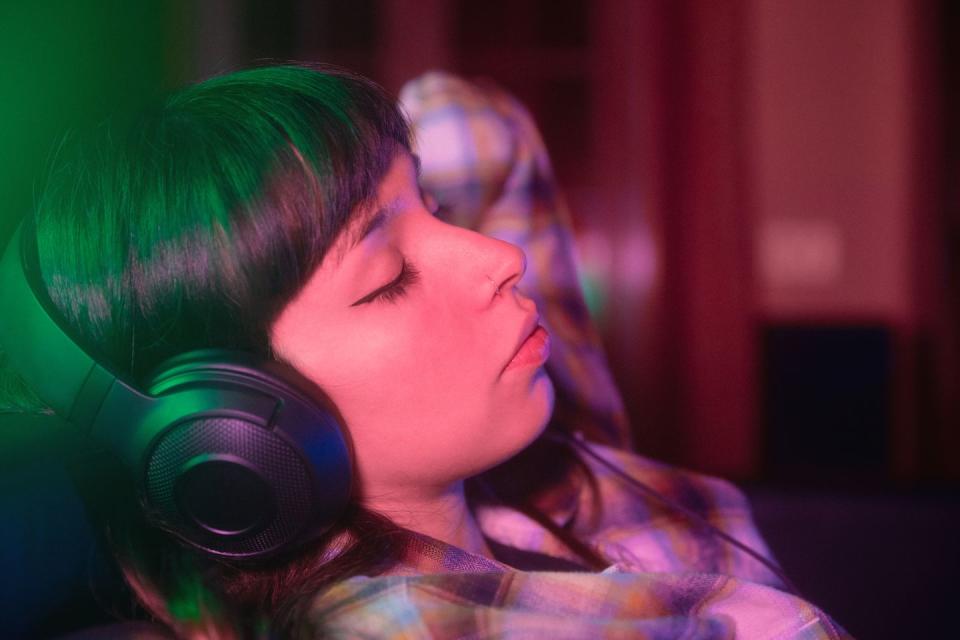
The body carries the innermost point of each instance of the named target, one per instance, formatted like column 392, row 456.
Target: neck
column 442, row 514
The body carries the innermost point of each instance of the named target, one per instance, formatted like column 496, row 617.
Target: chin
column 517, row 427
column 544, row 395
column 531, row 420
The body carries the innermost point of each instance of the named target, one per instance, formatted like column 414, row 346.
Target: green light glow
column 594, row 294
column 67, row 62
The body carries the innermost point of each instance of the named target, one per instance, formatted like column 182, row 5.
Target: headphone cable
column 579, row 443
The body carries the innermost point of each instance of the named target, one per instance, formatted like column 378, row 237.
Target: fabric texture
column 669, row 575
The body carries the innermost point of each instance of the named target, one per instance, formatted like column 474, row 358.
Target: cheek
column 421, row 371
column 421, row 395
column 415, row 370
column 415, row 396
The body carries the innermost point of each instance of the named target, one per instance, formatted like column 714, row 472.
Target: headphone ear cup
column 228, row 486
column 239, row 482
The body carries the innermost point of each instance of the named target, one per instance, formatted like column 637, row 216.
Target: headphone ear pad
column 254, row 468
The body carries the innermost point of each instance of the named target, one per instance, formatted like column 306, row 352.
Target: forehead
column 402, row 175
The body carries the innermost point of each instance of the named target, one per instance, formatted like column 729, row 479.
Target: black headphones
column 239, row 458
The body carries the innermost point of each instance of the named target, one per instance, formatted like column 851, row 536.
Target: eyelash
column 408, row 276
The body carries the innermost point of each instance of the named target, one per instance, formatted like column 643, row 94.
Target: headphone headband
column 35, row 343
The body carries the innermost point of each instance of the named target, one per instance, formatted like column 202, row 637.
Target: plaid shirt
column 668, row 575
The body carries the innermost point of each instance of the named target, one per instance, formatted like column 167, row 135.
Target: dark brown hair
column 192, row 226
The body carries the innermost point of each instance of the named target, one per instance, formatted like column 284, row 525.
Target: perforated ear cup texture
column 247, row 459
column 250, row 448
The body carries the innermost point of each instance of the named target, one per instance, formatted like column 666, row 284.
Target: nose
column 507, row 265
column 489, row 266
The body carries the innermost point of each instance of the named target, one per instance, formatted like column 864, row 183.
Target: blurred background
column 767, row 213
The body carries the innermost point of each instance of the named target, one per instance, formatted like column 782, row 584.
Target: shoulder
column 657, row 517
column 563, row 605
column 704, row 494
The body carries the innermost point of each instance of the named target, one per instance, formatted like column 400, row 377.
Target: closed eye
column 395, row 289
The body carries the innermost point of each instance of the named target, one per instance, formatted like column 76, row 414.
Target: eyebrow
column 382, row 214
column 374, row 222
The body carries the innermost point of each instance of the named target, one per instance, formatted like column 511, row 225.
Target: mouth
column 534, row 350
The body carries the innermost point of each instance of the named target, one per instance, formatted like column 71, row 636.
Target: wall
column 830, row 157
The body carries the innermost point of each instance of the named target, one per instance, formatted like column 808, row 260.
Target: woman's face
column 409, row 325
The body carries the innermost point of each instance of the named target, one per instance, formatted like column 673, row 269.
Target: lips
column 533, row 351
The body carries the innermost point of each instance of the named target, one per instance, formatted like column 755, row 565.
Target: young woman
column 276, row 213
